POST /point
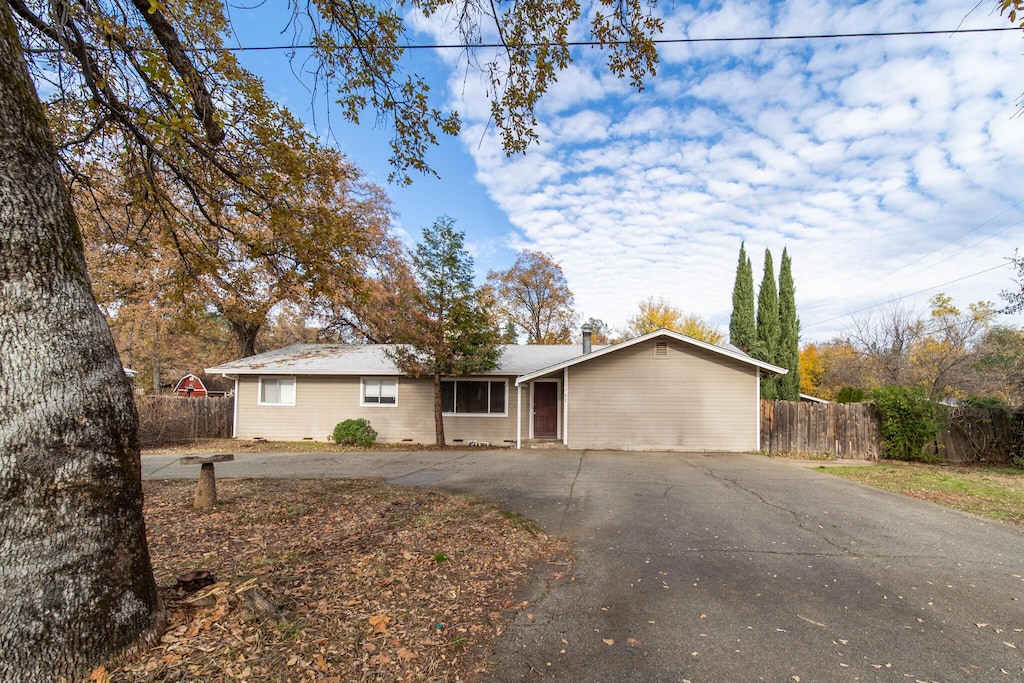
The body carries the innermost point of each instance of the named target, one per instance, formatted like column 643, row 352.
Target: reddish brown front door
column 545, row 409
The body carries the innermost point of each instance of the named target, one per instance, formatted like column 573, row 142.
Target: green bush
column 984, row 402
column 850, row 395
column 909, row 421
column 354, row 433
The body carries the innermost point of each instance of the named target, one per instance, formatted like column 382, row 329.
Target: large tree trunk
column 245, row 334
column 76, row 584
column 438, row 410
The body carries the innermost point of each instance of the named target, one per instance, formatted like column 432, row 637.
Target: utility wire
column 905, row 296
column 657, row 41
column 597, row 43
column 874, row 283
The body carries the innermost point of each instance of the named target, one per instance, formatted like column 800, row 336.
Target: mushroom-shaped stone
column 206, row 487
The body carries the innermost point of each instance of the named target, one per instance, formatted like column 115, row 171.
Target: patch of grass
column 996, row 493
column 800, row 456
column 528, row 526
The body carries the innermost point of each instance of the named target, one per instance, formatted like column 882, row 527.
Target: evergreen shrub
column 909, row 421
column 850, row 395
column 356, row 432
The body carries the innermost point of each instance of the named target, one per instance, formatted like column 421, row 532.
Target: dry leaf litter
column 332, row 581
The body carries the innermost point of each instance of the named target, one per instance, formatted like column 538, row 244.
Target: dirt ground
column 333, row 581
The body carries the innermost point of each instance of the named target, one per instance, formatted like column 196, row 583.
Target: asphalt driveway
column 723, row 567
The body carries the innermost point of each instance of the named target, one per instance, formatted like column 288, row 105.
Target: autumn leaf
column 349, row 585
column 379, row 623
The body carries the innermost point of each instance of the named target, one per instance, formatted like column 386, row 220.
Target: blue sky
column 890, row 167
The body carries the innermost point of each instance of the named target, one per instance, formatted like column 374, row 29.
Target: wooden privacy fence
column 844, row 430
column 171, row 419
column 853, row 430
column 980, row 435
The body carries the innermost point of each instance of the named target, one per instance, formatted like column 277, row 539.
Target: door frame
column 558, row 406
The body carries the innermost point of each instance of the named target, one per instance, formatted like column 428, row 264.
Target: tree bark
column 245, row 334
column 76, row 585
column 438, row 410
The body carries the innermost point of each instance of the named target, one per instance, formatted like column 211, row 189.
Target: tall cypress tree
column 789, row 333
column 742, row 322
column 767, row 347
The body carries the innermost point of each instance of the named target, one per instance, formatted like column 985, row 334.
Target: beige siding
column 323, row 401
column 691, row 399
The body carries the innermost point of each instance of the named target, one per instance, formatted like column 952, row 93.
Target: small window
column 473, row 397
column 277, row 391
column 380, row 391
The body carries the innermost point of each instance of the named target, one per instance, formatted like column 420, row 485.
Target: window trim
column 362, row 392
column 259, row 390
column 503, row 380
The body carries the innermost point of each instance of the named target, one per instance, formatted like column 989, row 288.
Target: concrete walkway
column 723, row 567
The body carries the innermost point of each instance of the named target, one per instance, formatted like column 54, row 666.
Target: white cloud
column 586, row 126
column 859, row 155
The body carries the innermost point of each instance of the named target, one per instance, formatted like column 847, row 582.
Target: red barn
column 190, row 386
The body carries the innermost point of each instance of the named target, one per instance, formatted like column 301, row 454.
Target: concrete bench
column 206, row 487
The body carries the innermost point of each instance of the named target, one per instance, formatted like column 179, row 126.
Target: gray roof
column 372, row 359
column 525, row 362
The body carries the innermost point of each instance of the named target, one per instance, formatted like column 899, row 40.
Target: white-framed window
column 379, row 391
column 277, row 391
column 474, row 397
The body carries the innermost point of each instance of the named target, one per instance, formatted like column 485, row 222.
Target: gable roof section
column 527, row 362
column 729, row 352
column 187, row 378
column 372, row 359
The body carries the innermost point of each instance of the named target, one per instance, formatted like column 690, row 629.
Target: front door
column 545, row 410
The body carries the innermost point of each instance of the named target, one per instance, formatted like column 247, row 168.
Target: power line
column 905, row 296
column 875, row 282
column 657, row 41
column 580, row 43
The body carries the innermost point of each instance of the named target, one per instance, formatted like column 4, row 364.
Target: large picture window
column 380, row 391
column 473, row 397
column 277, row 391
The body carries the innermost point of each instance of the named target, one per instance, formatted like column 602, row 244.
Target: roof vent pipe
column 586, row 339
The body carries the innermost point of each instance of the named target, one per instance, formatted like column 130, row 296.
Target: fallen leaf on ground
column 338, row 560
column 379, row 623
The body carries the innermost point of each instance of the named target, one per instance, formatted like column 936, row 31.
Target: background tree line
column 946, row 352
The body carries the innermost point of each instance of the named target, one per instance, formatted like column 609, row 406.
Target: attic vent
column 661, row 349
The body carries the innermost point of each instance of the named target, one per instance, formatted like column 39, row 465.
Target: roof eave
column 742, row 357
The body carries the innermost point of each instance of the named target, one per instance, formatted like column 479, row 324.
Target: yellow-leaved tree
column 659, row 314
